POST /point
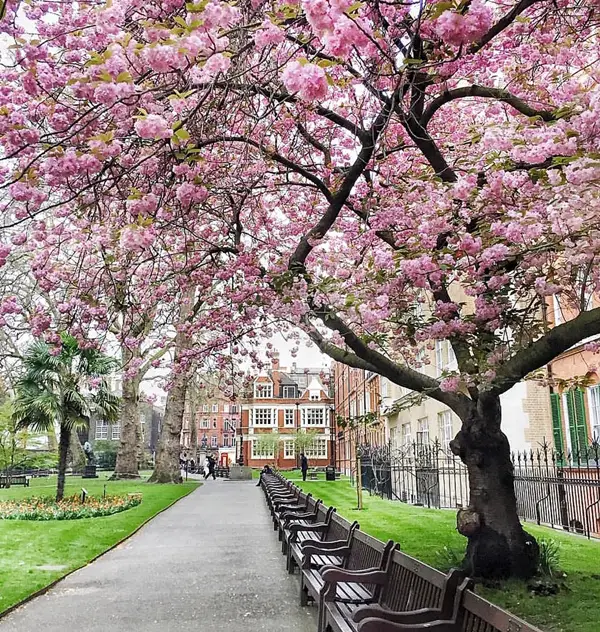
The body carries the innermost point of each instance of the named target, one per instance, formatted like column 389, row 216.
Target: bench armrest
column 315, row 527
column 381, row 625
column 333, row 575
column 315, row 549
column 298, row 516
column 330, row 544
column 423, row 615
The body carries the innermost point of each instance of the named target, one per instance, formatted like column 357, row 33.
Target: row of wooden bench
column 362, row 584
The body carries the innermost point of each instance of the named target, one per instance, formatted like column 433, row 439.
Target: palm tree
column 64, row 386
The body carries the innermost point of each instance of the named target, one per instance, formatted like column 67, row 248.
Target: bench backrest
column 413, row 585
column 479, row 615
column 367, row 552
column 340, row 529
column 321, row 513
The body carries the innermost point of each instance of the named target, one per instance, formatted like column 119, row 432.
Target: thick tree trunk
column 63, row 451
column 498, row 545
column 167, row 468
column 76, row 452
column 127, row 455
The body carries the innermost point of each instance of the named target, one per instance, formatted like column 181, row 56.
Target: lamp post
column 297, row 433
column 332, row 434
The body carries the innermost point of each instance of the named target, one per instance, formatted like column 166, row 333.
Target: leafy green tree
column 13, row 443
column 63, row 386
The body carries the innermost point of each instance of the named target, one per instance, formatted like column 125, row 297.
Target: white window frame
column 259, row 390
column 439, row 356
column 215, row 408
column 233, row 409
column 446, row 427
column 315, row 398
column 594, row 406
column 262, row 455
column 204, row 408
column 423, row 430
column 289, row 449
column 406, row 430
column 115, row 431
column 318, row 449
column 309, row 417
column 285, row 393
column 225, row 408
column 260, row 418
column 384, row 387
column 102, row 429
column 289, row 417
column 214, row 441
column 204, row 423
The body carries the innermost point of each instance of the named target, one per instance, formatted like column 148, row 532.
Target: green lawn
column 422, row 533
column 34, row 554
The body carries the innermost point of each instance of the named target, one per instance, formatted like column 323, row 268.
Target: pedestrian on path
column 303, row 465
column 211, row 468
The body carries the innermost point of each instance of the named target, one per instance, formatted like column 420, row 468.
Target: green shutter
column 577, row 424
column 581, row 421
column 557, row 429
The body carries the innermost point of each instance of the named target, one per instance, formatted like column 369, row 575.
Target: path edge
column 54, row 582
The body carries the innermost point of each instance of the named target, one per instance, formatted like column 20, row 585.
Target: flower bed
column 70, row 508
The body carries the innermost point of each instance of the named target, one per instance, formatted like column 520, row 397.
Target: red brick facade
column 357, row 393
column 281, row 404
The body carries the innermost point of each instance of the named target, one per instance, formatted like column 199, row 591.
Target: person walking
column 206, row 467
column 211, row 467
column 303, row 465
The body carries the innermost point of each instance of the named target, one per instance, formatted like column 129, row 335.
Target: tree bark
column 63, row 451
column 127, row 454
column 498, row 546
column 167, row 468
column 77, row 454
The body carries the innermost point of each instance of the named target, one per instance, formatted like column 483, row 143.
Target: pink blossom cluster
column 308, row 81
column 457, row 29
column 153, row 127
column 268, row 35
column 136, row 238
column 188, row 194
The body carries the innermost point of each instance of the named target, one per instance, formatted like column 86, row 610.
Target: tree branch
column 545, row 349
column 485, row 93
column 403, row 376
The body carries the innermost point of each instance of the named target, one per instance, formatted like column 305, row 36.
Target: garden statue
column 89, row 453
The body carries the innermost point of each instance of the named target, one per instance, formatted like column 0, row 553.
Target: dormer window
column 314, row 397
column 289, row 392
column 263, row 390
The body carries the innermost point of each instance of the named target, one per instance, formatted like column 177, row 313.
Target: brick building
column 281, row 405
column 359, row 402
column 575, row 397
column 210, row 420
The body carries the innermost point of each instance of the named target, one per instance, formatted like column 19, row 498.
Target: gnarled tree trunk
column 167, row 468
column 127, row 455
column 498, row 545
column 63, row 451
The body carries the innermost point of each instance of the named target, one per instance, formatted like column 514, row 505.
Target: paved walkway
column 211, row 563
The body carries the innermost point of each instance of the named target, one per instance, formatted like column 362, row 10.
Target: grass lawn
column 423, row 533
column 34, row 554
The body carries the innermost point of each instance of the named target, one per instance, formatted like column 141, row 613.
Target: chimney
column 294, row 367
column 275, row 360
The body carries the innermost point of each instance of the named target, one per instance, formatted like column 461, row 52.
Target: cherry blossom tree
column 390, row 155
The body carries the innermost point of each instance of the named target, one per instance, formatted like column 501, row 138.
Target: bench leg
column 303, row 593
column 291, row 562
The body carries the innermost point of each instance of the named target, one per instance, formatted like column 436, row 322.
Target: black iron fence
column 558, row 490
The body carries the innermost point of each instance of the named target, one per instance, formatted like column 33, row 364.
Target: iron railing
column 554, row 489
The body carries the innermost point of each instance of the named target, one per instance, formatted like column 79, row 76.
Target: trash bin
column 330, row 473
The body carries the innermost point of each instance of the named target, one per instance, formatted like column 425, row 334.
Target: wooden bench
column 281, row 511
column 364, row 554
column 313, row 474
column 408, row 587
column 18, row 479
column 294, row 522
column 339, row 533
column 472, row 614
